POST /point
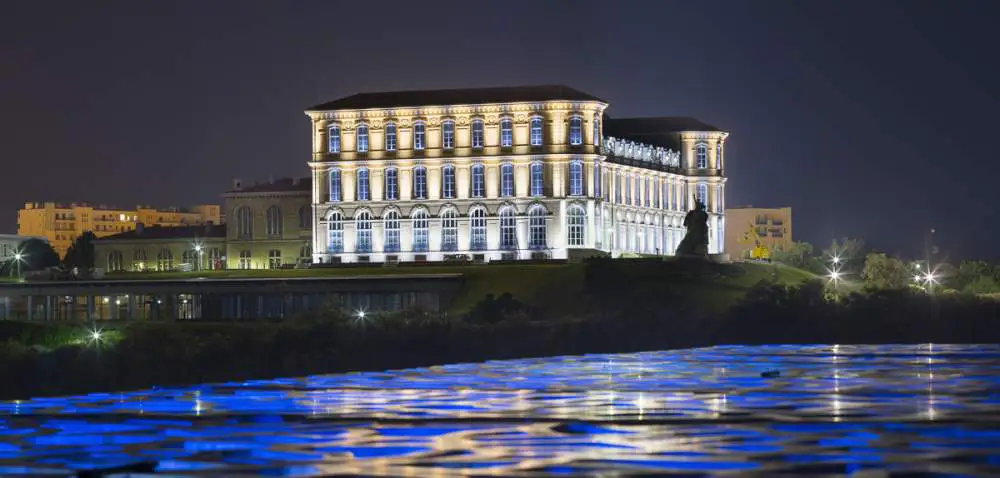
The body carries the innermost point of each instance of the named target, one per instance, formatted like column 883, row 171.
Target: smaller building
column 748, row 225
column 160, row 248
column 270, row 224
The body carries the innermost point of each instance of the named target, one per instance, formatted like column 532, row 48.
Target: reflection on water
column 834, row 409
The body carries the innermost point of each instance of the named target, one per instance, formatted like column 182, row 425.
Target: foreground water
column 833, row 409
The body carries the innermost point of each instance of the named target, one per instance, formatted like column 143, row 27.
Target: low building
column 271, row 224
column 747, row 225
column 160, row 248
column 10, row 242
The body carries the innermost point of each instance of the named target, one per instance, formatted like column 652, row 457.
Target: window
column 189, row 256
column 618, row 188
column 597, row 180
column 420, row 182
column 391, row 184
column 637, row 190
column 363, row 193
column 536, row 131
column 701, row 156
column 164, row 260
column 477, row 231
column 597, row 130
column 576, row 178
column 477, row 133
column 274, row 259
column 214, row 258
column 392, row 231
column 139, row 260
column 576, row 130
column 335, row 185
column 449, row 230
column 506, row 133
column 244, row 222
column 363, row 226
column 647, row 193
column 537, row 179
column 419, row 135
column 448, row 134
column 333, row 139
column 575, row 218
column 305, row 253
column 508, row 228
column 718, row 156
column 390, row 137
column 536, row 227
column 335, row 233
column 628, row 189
column 245, row 259
column 656, row 193
column 701, row 194
column 478, row 181
column 420, row 230
column 274, row 223
column 362, row 138
column 448, row 182
column 305, row 218
column 115, row 262
column 506, row 180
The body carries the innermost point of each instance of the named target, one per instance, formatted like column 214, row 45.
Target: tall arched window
column 245, row 259
column 274, row 259
column 647, row 193
column 448, row 182
column 718, row 155
column 597, row 130
column 139, row 260
column 362, row 133
column 576, row 130
column 701, row 194
column 335, row 185
column 597, row 180
column 390, row 136
column 419, row 135
column 536, row 131
column 576, row 217
column 419, row 182
column 628, row 189
column 478, row 181
column 618, row 188
column 421, row 230
column 305, row 218
column 536, row 227
column 449, row 230
column 391, row 184
column 576, row 178
column 115, row 262
column 477, row 229
column 477, row 133
column 363, row 228
column 537, row 179
column 448, row 134
column 244, row 222
column 333, row 139
column 164, row 260
column 508, row 228
column 363, row 192
column 275, row 224
column 335, row 233
column 506, row 132
column 391, row 221
column 701, row 156
column 507, row 180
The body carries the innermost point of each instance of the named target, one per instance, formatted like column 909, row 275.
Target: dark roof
column 655, row 131
column 167, row 232
column 277, row 186
column 465, row 96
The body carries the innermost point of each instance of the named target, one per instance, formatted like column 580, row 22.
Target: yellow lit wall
column 774, row 225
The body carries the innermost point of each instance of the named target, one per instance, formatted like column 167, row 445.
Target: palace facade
column 505, row 173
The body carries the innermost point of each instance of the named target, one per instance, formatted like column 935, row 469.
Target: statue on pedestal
column 695, row 242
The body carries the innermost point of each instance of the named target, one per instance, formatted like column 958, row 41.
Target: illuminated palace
column 503, row 174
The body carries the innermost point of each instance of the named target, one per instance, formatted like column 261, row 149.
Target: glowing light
column 17, row 256
column 361, row 314
column 835, row 275
column 836, row 260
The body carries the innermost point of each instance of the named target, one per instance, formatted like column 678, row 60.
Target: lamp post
column 928, row 238
column 17, row 259
column 197, row 248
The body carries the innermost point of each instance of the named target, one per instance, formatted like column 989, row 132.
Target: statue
column 695, row 242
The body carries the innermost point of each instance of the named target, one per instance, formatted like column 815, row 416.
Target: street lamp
column 197, row 248
column 17, row 259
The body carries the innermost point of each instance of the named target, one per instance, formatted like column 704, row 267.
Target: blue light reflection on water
column 833, row 409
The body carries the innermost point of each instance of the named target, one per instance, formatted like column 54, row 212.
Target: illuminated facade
column 504, row 173
column 270, row 224
column 771, row 226
column 162, row 249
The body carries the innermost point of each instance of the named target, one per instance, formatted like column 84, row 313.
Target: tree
column 882, row 272
column 81, row 253
column 797, row 255
column 976, row 277
column 850, row 252
column 36, row 255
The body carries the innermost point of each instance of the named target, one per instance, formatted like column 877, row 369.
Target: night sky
column 871, row 119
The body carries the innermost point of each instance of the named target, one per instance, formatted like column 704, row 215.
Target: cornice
column 457, row 110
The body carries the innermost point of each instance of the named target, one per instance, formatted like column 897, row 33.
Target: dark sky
column 871, row 118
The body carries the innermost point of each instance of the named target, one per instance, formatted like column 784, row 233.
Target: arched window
column 333, row 139
column 419, row 182
column 391, row 221
column 536, row 131
column 335, row 233
column 115, row 262
column 362, row 133
column 214, row 258
column 508, row 228
column 537, row 179
column 536, row 227
column 245, row 258
column 363, row 192
column 449, row 230
column 390, row 136
column 477, row 133
column 189, row 256
column 597, row 130
column 647, row 193
column 628, row 189
column 164, row 260
column 448, row 134
column 274, row 259
column 478, row 181
column 305, row 253
column 575, row 218
column 718, row 155
column 391, row 184
column 274, row 222
column 335, row 185
column 638, row 189
column 597, row 180
column 477, row 229
column 139, row 260
column 701, row 194
column 305, row 218
column 576, row 178
column 618, row 188
column 507, row 180
column 419, row 135
column 363, row 227
column 421, row 230
column 448, row 182
column 576, row 130
column 506, row 132
column 701, row 156
column 244, row 222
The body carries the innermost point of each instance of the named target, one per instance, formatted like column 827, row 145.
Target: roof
column 277, row 186
column 167, row 232
column 657, row 131
column 464, row 96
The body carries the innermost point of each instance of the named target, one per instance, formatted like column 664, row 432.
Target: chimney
column 237, row 184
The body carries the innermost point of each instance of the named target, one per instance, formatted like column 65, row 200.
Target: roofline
column 309, row 111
